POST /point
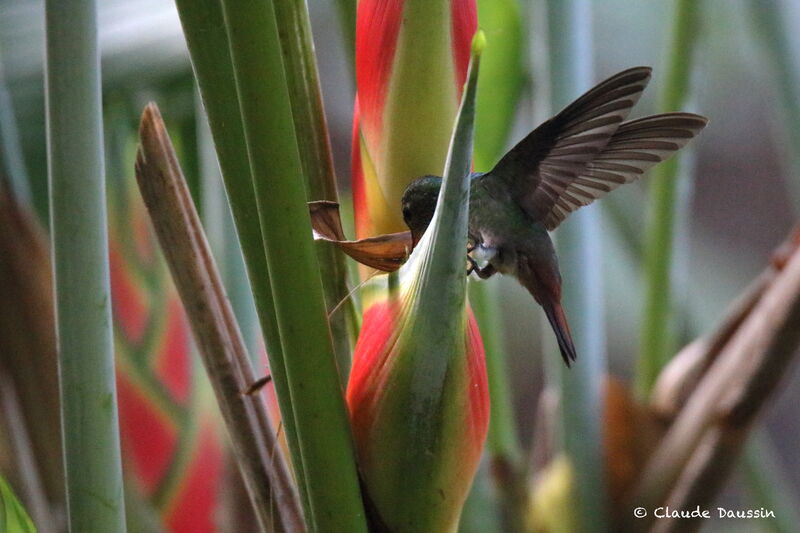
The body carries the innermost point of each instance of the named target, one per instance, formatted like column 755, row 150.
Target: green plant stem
column 655, row 334
column 204, row 27
column 80, row 256
column 314, row 146
column 322, row 426
column 580, row 254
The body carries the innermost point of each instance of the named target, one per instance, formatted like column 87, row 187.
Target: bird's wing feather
column 633, row 149
column 544, row 163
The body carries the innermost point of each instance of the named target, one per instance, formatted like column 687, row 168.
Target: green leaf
column 207, row 39
column 13, row 517
column 324, row 443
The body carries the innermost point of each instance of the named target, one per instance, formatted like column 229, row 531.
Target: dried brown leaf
column 384, row 252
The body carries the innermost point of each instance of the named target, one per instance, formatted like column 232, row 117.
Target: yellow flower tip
column 478, row 43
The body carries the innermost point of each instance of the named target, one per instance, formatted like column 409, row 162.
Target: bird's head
column 419, row 203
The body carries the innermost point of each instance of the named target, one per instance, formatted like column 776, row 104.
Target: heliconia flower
column 171, row 442
column 417, row 394
column 419, row 417
column 411, row 63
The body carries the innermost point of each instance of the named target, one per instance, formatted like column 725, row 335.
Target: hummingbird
column 579, row 155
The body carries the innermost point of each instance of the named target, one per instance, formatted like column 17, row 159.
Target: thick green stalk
column 207, row 39
column 80, row 259
column 302, row 79
column 580, row 254
column 322, row 425
column 311, row 129
column 655, row 334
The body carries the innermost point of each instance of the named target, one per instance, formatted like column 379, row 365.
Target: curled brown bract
column 384, row 252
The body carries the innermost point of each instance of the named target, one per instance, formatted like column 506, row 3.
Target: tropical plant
column 393, row 394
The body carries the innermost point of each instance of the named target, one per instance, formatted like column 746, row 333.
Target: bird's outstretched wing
column 633, row 149
column 540, row 168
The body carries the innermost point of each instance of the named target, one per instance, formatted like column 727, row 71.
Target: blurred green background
column 742, row 202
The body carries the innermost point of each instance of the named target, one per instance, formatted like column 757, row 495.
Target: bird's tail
column 558, row 321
